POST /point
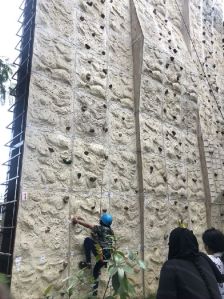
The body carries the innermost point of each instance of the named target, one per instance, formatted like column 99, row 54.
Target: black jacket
column 181, row 279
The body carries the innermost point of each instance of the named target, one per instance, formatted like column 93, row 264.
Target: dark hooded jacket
column 188, row 274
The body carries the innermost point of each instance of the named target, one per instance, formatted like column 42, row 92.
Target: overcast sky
column 9, row 14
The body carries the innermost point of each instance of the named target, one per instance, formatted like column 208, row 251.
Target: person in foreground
column 214, row 245
column 187, row 274
column 100, row 244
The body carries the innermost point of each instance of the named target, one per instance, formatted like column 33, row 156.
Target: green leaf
column 141, row 264
column 112, row 270
column 115, row 283
column 120, row 273
column 128, row 269
column 47, row 290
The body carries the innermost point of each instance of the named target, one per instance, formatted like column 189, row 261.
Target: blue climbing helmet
column 106, row 219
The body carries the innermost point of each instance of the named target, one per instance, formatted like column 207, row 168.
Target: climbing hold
column 154, row 11
column 164, row 110
column 79, row 175
column 93, row 34
column 184, row 180
column 102, row 15
column 166, row 91
column 66, row 199
column 194, row 180
column 186, row 207
column 106, row 157
column 84, row 108
column 67, row 161
column 82, row 18
column 86, row 153
column 92, row 179
column 123, row 118
column 126, row 208
column 167, row 65
column 169, row 32
column 47, row 230
column 68, row 128
column 102, row 1
column 104, row 210
column 115, row 180
column 105, row 71
column 103, row 53
column 91, row 130
column 181, row 68
column 119, row 134
column 215, row 174
column 174, row 117
column 90, row 3
column 104, row 106
column 172, row 58
column 160, row 149
column 175, row 50
column 165, row 179
column 89, row 61
column 87, row 46
column 102, row 27
column 169, row 40
column 175, row 202
column 105, row 129
column 174, row 133
column 179, row 157
column 110, row 86
column 51, row 150
column 88, row 77
column 151, row 169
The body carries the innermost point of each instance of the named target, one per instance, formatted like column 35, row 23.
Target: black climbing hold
column 123, row 118
column 104, row 210
column 154, row 11
column 86, row 153
column 79, row 175
column 102, row 1
column 174, row 117
column 51, row 150
column 212, row 42
column 120, row 134
column 166, row 91
column 172, row 58
column 166, row 21
column 105, row 71
column 203, row 41
column 93, row 34
column 102, row 15
column 184, row 180
column 217, row 89
column 115, row 180
column 169, row 32
column 87, row 46
column 169, row 40
column 175, row 202
column 136, row 191
column 66, row 199
column 174, row 94
column 214, row 66
column 160, row 149
column 67, row 161
column 68, row 128
column 151, row 169
column 84, row 108
column 103, row 53
column 215, row 174
column 88, row 77
column 186, row 207
column 106, row 157
column 174, row 133
column 92, row 179
column 90, row 3
column 179, row 157
column 110, row 86
column 47, row 230
column 167, row 65
column 175, row 50
column 203, row 33
column 105, row 129
column 181, row 68
column 178, row 77
column 157, row 210
column 180, row 143
column 164, row 110
column 104, row 106
column 82, row 18
column 102, row 27
column 194, row 180
column 164, row 178
column 126, row 208
column 89, row 61
column 91, row 130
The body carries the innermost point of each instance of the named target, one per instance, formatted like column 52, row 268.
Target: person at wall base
column 100, row 244
column 214, row 245
column 187, row 274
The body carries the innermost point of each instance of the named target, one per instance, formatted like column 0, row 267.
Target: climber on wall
column 100, row 244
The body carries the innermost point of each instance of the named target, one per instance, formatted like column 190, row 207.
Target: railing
column 10, row 200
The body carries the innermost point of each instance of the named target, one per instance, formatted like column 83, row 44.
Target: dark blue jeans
column 90, row 247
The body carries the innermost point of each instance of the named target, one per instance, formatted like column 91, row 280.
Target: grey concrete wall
column 121, row 117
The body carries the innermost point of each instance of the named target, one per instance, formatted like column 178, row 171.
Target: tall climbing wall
column 124, row 115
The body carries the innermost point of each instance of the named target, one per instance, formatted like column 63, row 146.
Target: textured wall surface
column 125, row 114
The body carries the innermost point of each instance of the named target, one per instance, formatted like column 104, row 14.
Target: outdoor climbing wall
column 125, row 115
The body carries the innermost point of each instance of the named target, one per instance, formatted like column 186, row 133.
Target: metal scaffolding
column 17, row 126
